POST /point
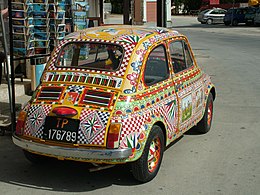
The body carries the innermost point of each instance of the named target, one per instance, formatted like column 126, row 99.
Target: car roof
column 117, row 33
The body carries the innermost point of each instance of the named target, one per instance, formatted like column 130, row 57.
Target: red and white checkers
column 128, row 49
column 132, row 124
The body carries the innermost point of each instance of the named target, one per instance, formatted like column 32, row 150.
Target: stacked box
column 40, row 43
column 80, row 10
column 57, row 21
column 39, row 25
column 22, row 11
column 68, row 17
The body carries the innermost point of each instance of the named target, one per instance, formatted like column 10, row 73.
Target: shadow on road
column 217, row 26
column 55, row 175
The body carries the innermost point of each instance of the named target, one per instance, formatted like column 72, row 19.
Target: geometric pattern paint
column 35, row 120
column 92, row 127
column 169, row 112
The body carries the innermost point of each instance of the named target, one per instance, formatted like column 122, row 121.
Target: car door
column 188, row 80
column 159, row 89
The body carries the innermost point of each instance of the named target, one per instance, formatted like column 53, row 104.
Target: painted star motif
column 92, row 126
column 36, row 120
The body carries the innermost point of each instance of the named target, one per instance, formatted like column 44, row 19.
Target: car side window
column 177, row 56
column 180, row 56
column 188, row 57
column 156, row 68
column 222, row 11
column 215, row 12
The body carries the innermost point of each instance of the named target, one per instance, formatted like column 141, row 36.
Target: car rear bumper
column 72, row 153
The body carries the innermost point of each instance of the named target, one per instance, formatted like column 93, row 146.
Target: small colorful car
column 115, row 95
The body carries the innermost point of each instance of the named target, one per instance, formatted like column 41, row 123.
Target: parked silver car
column 211, row 16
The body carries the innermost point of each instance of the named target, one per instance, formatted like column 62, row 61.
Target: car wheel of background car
column 252, row 23
column 34, row 158
column 256, row 24
column 2, row 132
column 147, row 166
column 209, row 21
column 205, row 123
column 248, row 23
column 227, row 23
column 234, row 23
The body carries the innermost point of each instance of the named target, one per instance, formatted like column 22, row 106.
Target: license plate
column 61, row 129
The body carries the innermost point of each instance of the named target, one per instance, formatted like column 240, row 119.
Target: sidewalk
column 21, row 89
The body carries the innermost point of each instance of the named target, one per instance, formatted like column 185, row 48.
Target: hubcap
column 154, row 154
column 210, row 112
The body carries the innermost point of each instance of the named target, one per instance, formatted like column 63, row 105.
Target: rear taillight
column 64, row 111
column 113, row 136
column 20, row 123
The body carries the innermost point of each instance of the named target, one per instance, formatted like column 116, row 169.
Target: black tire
column 205, row 123
column 227, row 23
column 234, row 23
column 2, row 131
column 248, row 23
column 34, row 158
column 209, row 21
column 256, row 24
column 148, row 165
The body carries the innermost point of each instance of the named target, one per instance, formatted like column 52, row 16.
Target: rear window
column 88, row 55
column 204, row 11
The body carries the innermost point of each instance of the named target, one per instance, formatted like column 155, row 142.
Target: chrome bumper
column 72, row 153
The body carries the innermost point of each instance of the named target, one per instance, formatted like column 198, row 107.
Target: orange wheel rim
column 210, row 113
column 154, row 154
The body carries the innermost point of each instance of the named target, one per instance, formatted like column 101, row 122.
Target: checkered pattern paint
column 92, row 127
column 35, row 120
column 133, row 124
column 75, row 88
column 120, row 73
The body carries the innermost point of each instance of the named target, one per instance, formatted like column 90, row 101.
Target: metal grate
column 98, row 98
column 50, row 93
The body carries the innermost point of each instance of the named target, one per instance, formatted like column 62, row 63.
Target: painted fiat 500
column 114, row 95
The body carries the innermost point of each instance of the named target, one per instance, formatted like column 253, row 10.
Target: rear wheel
column 227, row 23
column 209, row 21
column 34, row 158
column 148, row 165
column 248, row 23
column 205, row 123
column 256, row 24
column 234, row 23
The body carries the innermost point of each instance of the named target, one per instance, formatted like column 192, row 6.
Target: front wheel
column 148, row 165
column 205, row 123
column 209, row 21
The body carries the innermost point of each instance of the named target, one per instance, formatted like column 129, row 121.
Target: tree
column 192, row 5
column 188, row 4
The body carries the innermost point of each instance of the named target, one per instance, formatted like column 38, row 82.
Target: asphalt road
column 224, row 161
